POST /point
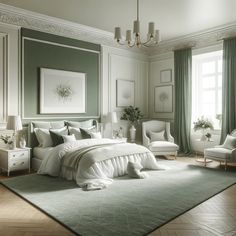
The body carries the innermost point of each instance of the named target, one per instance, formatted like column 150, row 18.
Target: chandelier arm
column 120, row 43
column 148, row 41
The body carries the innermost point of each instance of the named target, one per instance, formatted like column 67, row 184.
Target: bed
column 91, row 161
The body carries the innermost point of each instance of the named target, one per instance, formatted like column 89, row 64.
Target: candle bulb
column 136, row 29
column 151, row 28
column 117, row 33
column 128, row 36
column 157, row 36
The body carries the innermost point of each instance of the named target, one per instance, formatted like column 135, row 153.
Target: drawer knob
column 14, row 155
column 22, row 163
column 14, row 164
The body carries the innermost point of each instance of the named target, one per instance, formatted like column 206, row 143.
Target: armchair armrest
column 233, row 155
column 170, row 138
column 146, row 140
column 218, row 146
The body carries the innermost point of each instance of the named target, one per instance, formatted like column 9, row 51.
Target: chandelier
column 153, row 36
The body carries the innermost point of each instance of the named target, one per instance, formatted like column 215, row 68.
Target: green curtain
column 183, row 98
column 229, row 88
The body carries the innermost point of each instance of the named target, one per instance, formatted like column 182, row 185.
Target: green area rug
column 128, row 206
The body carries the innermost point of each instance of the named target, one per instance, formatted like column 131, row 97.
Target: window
column 207, row 87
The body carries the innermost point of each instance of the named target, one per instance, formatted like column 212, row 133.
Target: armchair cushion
column 157, row 136
column 163, row 146
column 230, row 142
column 218, row 152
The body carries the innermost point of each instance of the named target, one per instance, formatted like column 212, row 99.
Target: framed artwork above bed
column 62, row 91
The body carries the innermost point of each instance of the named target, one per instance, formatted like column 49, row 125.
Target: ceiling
column 174, row 18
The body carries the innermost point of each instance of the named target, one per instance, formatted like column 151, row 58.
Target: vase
column 132, row 132
column 11, row 146
column 203, row 137
column 22, row 143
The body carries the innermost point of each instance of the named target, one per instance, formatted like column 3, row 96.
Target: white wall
column 122, row 64
column 157, row 64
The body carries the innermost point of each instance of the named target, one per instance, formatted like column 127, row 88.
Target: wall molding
column 206, row 38
column 21, row 87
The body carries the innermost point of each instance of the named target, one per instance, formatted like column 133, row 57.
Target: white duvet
column 96, row 168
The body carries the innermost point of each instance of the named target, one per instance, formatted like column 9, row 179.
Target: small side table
column 204, row 160
column 15, row 159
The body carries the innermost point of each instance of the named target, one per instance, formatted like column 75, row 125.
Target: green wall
column 37, row 54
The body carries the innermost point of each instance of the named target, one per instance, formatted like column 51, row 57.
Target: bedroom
column 36, row 37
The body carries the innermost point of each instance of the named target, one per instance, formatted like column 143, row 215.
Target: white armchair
column 157, row 138
column 221, row 153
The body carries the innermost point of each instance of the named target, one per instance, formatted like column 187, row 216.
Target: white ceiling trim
column 28, row 19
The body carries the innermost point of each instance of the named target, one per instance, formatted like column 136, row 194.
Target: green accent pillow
column 57, row 136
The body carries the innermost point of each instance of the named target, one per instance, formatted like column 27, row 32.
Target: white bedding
column 41, row 153
column 98, row 173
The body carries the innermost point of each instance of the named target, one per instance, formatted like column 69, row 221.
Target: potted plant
column 8, row 140
column 203, row 124
column 133, row 115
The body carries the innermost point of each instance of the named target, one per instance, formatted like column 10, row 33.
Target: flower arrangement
column 202, row 124
column 208, row 135
column 6, row 139
column 132, row 114
column 64, row 91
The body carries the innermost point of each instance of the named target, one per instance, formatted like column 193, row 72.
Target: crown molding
column 32, row 20
column 36, row 21
column 197, row 40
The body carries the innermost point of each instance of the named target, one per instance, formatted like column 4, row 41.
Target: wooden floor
column 217, row 216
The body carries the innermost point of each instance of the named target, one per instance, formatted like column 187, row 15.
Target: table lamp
column 14, row 123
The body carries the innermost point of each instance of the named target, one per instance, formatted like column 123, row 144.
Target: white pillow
column 230, row 142
column 44, row 138
column 76, row 132
column 68, row 138
column 96, row 135
column 157, row 136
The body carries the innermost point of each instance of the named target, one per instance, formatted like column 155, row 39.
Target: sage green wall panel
column 39, row 54
column 59, row 39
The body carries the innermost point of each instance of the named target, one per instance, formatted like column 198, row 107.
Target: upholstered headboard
column 32, row 140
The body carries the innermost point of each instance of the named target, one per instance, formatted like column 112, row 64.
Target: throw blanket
column 99, row 153
column 92, row 163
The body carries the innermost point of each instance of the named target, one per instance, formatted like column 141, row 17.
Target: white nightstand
column 16, row 159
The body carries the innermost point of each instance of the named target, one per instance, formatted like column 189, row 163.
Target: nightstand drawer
column 19, row 164
column 16, row 155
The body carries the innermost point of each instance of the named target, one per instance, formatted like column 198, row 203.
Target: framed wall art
column 124, row 93
column 62, row 91
column 163, row 98
column 166, row 76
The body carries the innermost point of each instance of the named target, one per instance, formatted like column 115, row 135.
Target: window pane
column 208, row 110
column 207, row 86
column 219, row 98
column 208, row 67
column 220, row 81
column 208, row 82
column 208, row 97
column 220, row 66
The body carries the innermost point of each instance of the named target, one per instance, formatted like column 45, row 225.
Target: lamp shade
column 14, row 123
column 113, row 117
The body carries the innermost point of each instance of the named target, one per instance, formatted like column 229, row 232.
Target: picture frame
column 163, row 96
column 166, row 76
column 124, row 93
column 62, row 92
